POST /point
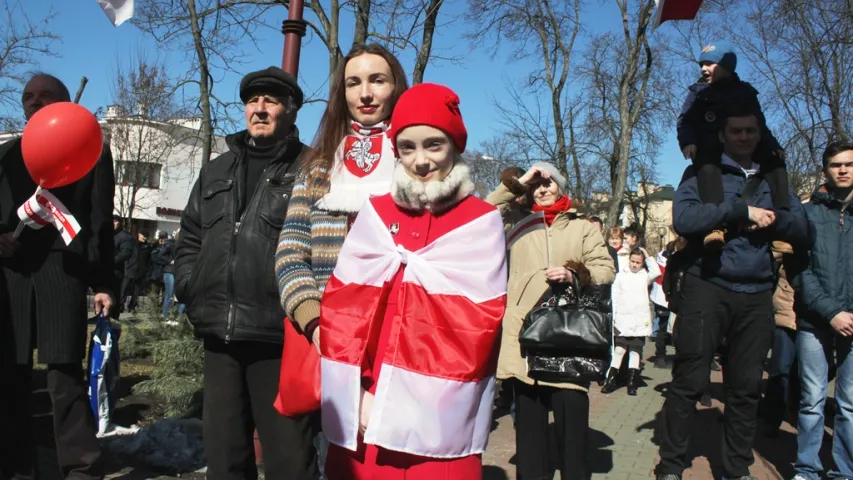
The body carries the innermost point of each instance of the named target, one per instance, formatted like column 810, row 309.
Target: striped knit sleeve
column 300, row 296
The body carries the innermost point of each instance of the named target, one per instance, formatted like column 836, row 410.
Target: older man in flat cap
column 224, row 274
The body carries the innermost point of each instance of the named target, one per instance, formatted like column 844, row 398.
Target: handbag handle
column 574, row 284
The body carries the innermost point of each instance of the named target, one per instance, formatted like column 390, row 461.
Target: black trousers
column 77, row 448
column 662, row 337
column 783, row 385
column 130, row 288
column 708, row 314
column 709, row 178
column 532, row 440
column 240, row 386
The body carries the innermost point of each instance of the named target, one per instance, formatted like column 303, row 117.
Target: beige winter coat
column 783, row 302
column 572, row 240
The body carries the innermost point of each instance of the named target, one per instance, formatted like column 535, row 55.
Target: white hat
column 553, row 172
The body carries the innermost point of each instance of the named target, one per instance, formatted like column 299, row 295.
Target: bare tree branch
column 22, row 40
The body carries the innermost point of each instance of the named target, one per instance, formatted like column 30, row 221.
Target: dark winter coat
column 131, row 266
column 43, row 286
column 143, row 260
column 161, row 260
column 224, row 267
column 124, row 247
column 744, row 264
column 706, row 105
column 824, row 286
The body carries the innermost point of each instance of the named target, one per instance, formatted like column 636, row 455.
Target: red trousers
column 375, row 463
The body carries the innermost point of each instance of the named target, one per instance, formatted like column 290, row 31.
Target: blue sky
column 92, row 47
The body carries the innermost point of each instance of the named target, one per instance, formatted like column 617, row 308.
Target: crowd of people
column 144, row 268
column 415, row 293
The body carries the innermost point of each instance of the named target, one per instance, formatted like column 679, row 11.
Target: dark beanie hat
column 721, row 53
column 272, row 80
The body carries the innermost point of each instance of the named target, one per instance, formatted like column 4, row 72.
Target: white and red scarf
column 364, row 167
column 435, row 390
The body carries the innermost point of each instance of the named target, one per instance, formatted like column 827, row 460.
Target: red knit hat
column 433, row 105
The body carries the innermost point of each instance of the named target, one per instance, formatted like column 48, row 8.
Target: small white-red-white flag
column 530, row 223
column 118, row 11
column 44, row 209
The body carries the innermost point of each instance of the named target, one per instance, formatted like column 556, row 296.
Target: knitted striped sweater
column 307, row 251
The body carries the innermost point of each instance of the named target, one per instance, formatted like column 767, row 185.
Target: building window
column 138, row 174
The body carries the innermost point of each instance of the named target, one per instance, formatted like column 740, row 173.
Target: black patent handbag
column 568, row 337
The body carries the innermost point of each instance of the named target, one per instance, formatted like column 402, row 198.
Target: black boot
column 610, row 383
column 633, row 380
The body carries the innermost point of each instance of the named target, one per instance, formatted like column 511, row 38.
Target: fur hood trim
column 579, row 269
column 437, row 196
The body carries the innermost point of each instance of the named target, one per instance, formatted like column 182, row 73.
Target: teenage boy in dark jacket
column 727, row 292
column 823, row 302
column 717, row 91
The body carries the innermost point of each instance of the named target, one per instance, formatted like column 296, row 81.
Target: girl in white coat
column 632, row 316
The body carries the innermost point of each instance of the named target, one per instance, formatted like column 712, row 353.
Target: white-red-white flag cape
column 44, row 209
column 435, row 391
column 118, row 11
column 675, row 10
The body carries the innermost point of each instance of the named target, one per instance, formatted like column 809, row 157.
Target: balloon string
column 20, row 228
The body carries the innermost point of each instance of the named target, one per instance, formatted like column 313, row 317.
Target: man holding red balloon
column 60, row 174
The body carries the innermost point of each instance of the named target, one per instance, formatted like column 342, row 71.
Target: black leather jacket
column 224, row 268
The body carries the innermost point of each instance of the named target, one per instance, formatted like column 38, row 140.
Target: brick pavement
column 622, row 443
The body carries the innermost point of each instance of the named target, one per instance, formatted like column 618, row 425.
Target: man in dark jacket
column 125, row 248
column 725, row 293
column 43, row 285
column 141, row 271
column 823, row 302
column 160, row 257
column 225, row 276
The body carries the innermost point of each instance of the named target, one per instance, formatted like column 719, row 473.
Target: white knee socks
column 634, row 359
column 619, row 355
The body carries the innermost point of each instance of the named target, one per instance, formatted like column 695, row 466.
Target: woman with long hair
column 412, row 315
column 351, row 159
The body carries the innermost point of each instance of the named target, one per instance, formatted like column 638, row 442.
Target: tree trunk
column 203, row 84
column 556, row 110
column 629, row 114
column 573, row 150
column 334, row 49
column 426, row 43
column 362, row 21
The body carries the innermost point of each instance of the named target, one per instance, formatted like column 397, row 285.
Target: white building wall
column 179, row 172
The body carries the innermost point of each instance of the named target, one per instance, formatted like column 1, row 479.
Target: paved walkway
column 622, row 437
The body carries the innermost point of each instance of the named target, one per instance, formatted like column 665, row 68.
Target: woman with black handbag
column 548, row 251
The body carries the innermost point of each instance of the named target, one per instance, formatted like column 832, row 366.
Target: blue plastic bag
column 103, row 372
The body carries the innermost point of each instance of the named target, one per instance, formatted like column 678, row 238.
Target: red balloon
column 61, row 143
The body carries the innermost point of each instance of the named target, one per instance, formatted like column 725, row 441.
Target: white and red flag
column 530, row 223
column 435, row 391
column 675, row 10
column 44, row 209
column 118, row 11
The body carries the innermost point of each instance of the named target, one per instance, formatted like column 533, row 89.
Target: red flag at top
column 675, row 10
